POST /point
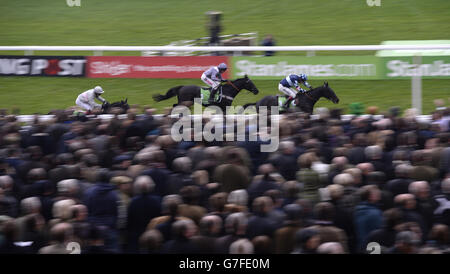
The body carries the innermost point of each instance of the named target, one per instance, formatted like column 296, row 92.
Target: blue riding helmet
column 222, row 66
column 303, row 77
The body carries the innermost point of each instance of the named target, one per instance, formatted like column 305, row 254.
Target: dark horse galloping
column 186, row 94
column 304, row 101
column 122, row 104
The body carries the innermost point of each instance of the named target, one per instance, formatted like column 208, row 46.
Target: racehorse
column 122, row 104
column 303, row 101
column 186, row 94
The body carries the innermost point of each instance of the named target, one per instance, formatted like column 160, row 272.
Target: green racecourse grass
column 39, row 95
column 151, row 22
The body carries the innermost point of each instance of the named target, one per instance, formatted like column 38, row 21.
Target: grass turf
column 40, row 95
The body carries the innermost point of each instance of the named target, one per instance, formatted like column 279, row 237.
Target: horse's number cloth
column 205, row 92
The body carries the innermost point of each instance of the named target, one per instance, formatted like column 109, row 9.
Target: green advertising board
column 342, row 67
column 316, row 67
column 404, row 67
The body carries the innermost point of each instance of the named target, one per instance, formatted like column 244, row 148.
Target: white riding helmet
column 98, row 90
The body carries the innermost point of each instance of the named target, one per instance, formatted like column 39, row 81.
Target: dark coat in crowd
column 261, row 224
column 286, row 165
column 160, row 176
column 141, row 210
column 179, row 246
column 284, row 238
column 367, row 218
column 102, row 203
column 384, row 236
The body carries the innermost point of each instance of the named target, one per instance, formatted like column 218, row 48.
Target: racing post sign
column 55, row 66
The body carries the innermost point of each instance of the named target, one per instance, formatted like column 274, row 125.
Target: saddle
column 206, row 91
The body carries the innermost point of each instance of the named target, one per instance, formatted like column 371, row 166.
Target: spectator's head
column 406, row 242
column 445, row 186
column 365, row 168
column 403, row 170
column 406, row 201
column 182, row 165
column 170, row 204
column 10, row 230
column 123, row 183
column 61, row 233
column 340, row 162
column 200, row 177
column 344, row 179
column 184, row 229
column 330, row 248
column 291, row 189
column 63, row 209
column 370, row 194
column 324, row 211
column 356, row 174
column 293, row 212
column 218, row 201
column 420, row 189
column 307, row 239
column 276, row 196
column 287, row 147
column 190, row 194
column 103, row 175
column 306, row 159
column 210, row 225
column 236, row 223
column 238, row 197
column 242, row 246
column 359, row 139
column 373, row 152
column 266, row 170
column 89, row 160
column 262, row 245
column 376, row 178
column 151, row 241
column 439, row 234
column 36, row 174
column 336, row 191
column 68, row 187
column 6, row 183
column 262, row 205
column 143, row 185
column 30, row 205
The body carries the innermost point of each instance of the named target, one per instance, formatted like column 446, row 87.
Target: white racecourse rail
column 225, row 48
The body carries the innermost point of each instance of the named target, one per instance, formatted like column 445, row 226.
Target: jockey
column 293, row 81
column 86, row 100
column 213, row 77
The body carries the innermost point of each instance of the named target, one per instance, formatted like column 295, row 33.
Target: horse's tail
column 170, row 93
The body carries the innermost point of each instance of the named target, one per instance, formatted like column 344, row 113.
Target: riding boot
column 288, row 102
column 212, row 95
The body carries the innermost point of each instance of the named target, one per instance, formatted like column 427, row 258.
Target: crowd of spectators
column 125, row 186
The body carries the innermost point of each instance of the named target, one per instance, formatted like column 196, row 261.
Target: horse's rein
column 229, row 82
